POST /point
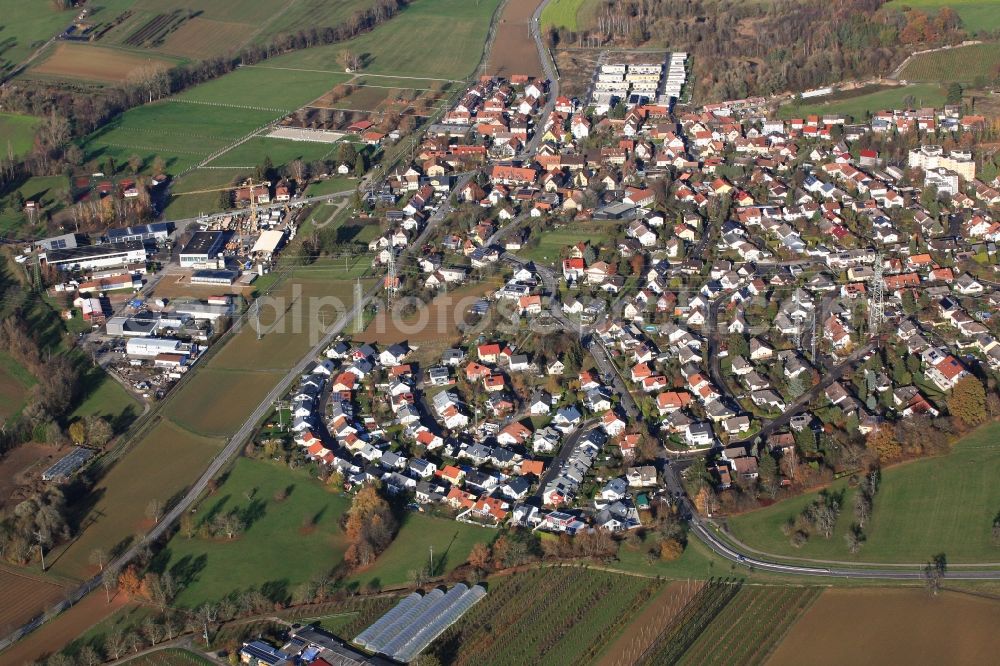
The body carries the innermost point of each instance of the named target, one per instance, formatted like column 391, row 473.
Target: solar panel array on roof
column 413, row 624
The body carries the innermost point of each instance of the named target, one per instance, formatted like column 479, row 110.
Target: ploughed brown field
column 893, row 626
column 24, row 596
column 52, row 636
column 513, row 50
column 94, row 63
column 22, row 463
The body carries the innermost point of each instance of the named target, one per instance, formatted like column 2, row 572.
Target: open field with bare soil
column 22, row 461
column 24, row 596
column 899, row 626
column 513, row 50
column 94, row 63
column 53, row 636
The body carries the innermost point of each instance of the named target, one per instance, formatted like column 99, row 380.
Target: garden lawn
column 939, row 505
column 281, row 152
column 399, row 47
column 976, row 15
column 551, row 243
column 286, row 543
column 967, row 65
column 17, row 133
column 161, row 465
column 331, row 186
column 451, row 540
column 858, row 106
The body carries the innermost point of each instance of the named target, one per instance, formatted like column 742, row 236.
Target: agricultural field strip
column 333, row 71
column 750, row 619
column 498, row 629
column 689, row 624
column 231, row 106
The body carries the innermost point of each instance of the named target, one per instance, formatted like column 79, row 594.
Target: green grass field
column 976, row 15
column 285, row 544
column 161, row 465
column 217, row 402
column 967, row 65
column 331, row 186
column 190, row 205
column 17, row 133
column 50, row 191
column 858, row 106
column 305, row 14
column 399, row 47
column 452, row 541
column 28, row 25
column 182, row 134
column 281, row 151
column 109, row 400
column 266, row 87
column 562, row 14
column 14, row 384
column 551, row 243
column 944, row 504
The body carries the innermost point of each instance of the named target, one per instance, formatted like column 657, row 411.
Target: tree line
column 750, row 48
column 72, row 111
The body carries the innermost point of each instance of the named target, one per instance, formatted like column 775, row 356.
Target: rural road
column 244, row 433
column 550, row 73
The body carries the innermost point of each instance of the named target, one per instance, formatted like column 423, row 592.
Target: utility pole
column 256, row 314
column 41, row 548
column 359, row 318
column 391, row 279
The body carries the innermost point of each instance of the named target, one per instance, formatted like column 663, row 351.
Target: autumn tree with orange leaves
column 370, row 527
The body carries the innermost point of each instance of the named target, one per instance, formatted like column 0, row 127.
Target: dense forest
column 757, row 48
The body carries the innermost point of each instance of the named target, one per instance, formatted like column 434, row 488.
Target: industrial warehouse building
column 204, row 249
column 88, row 257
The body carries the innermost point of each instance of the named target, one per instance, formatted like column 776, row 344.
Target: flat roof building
column 87, row 257
column 203, row 248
